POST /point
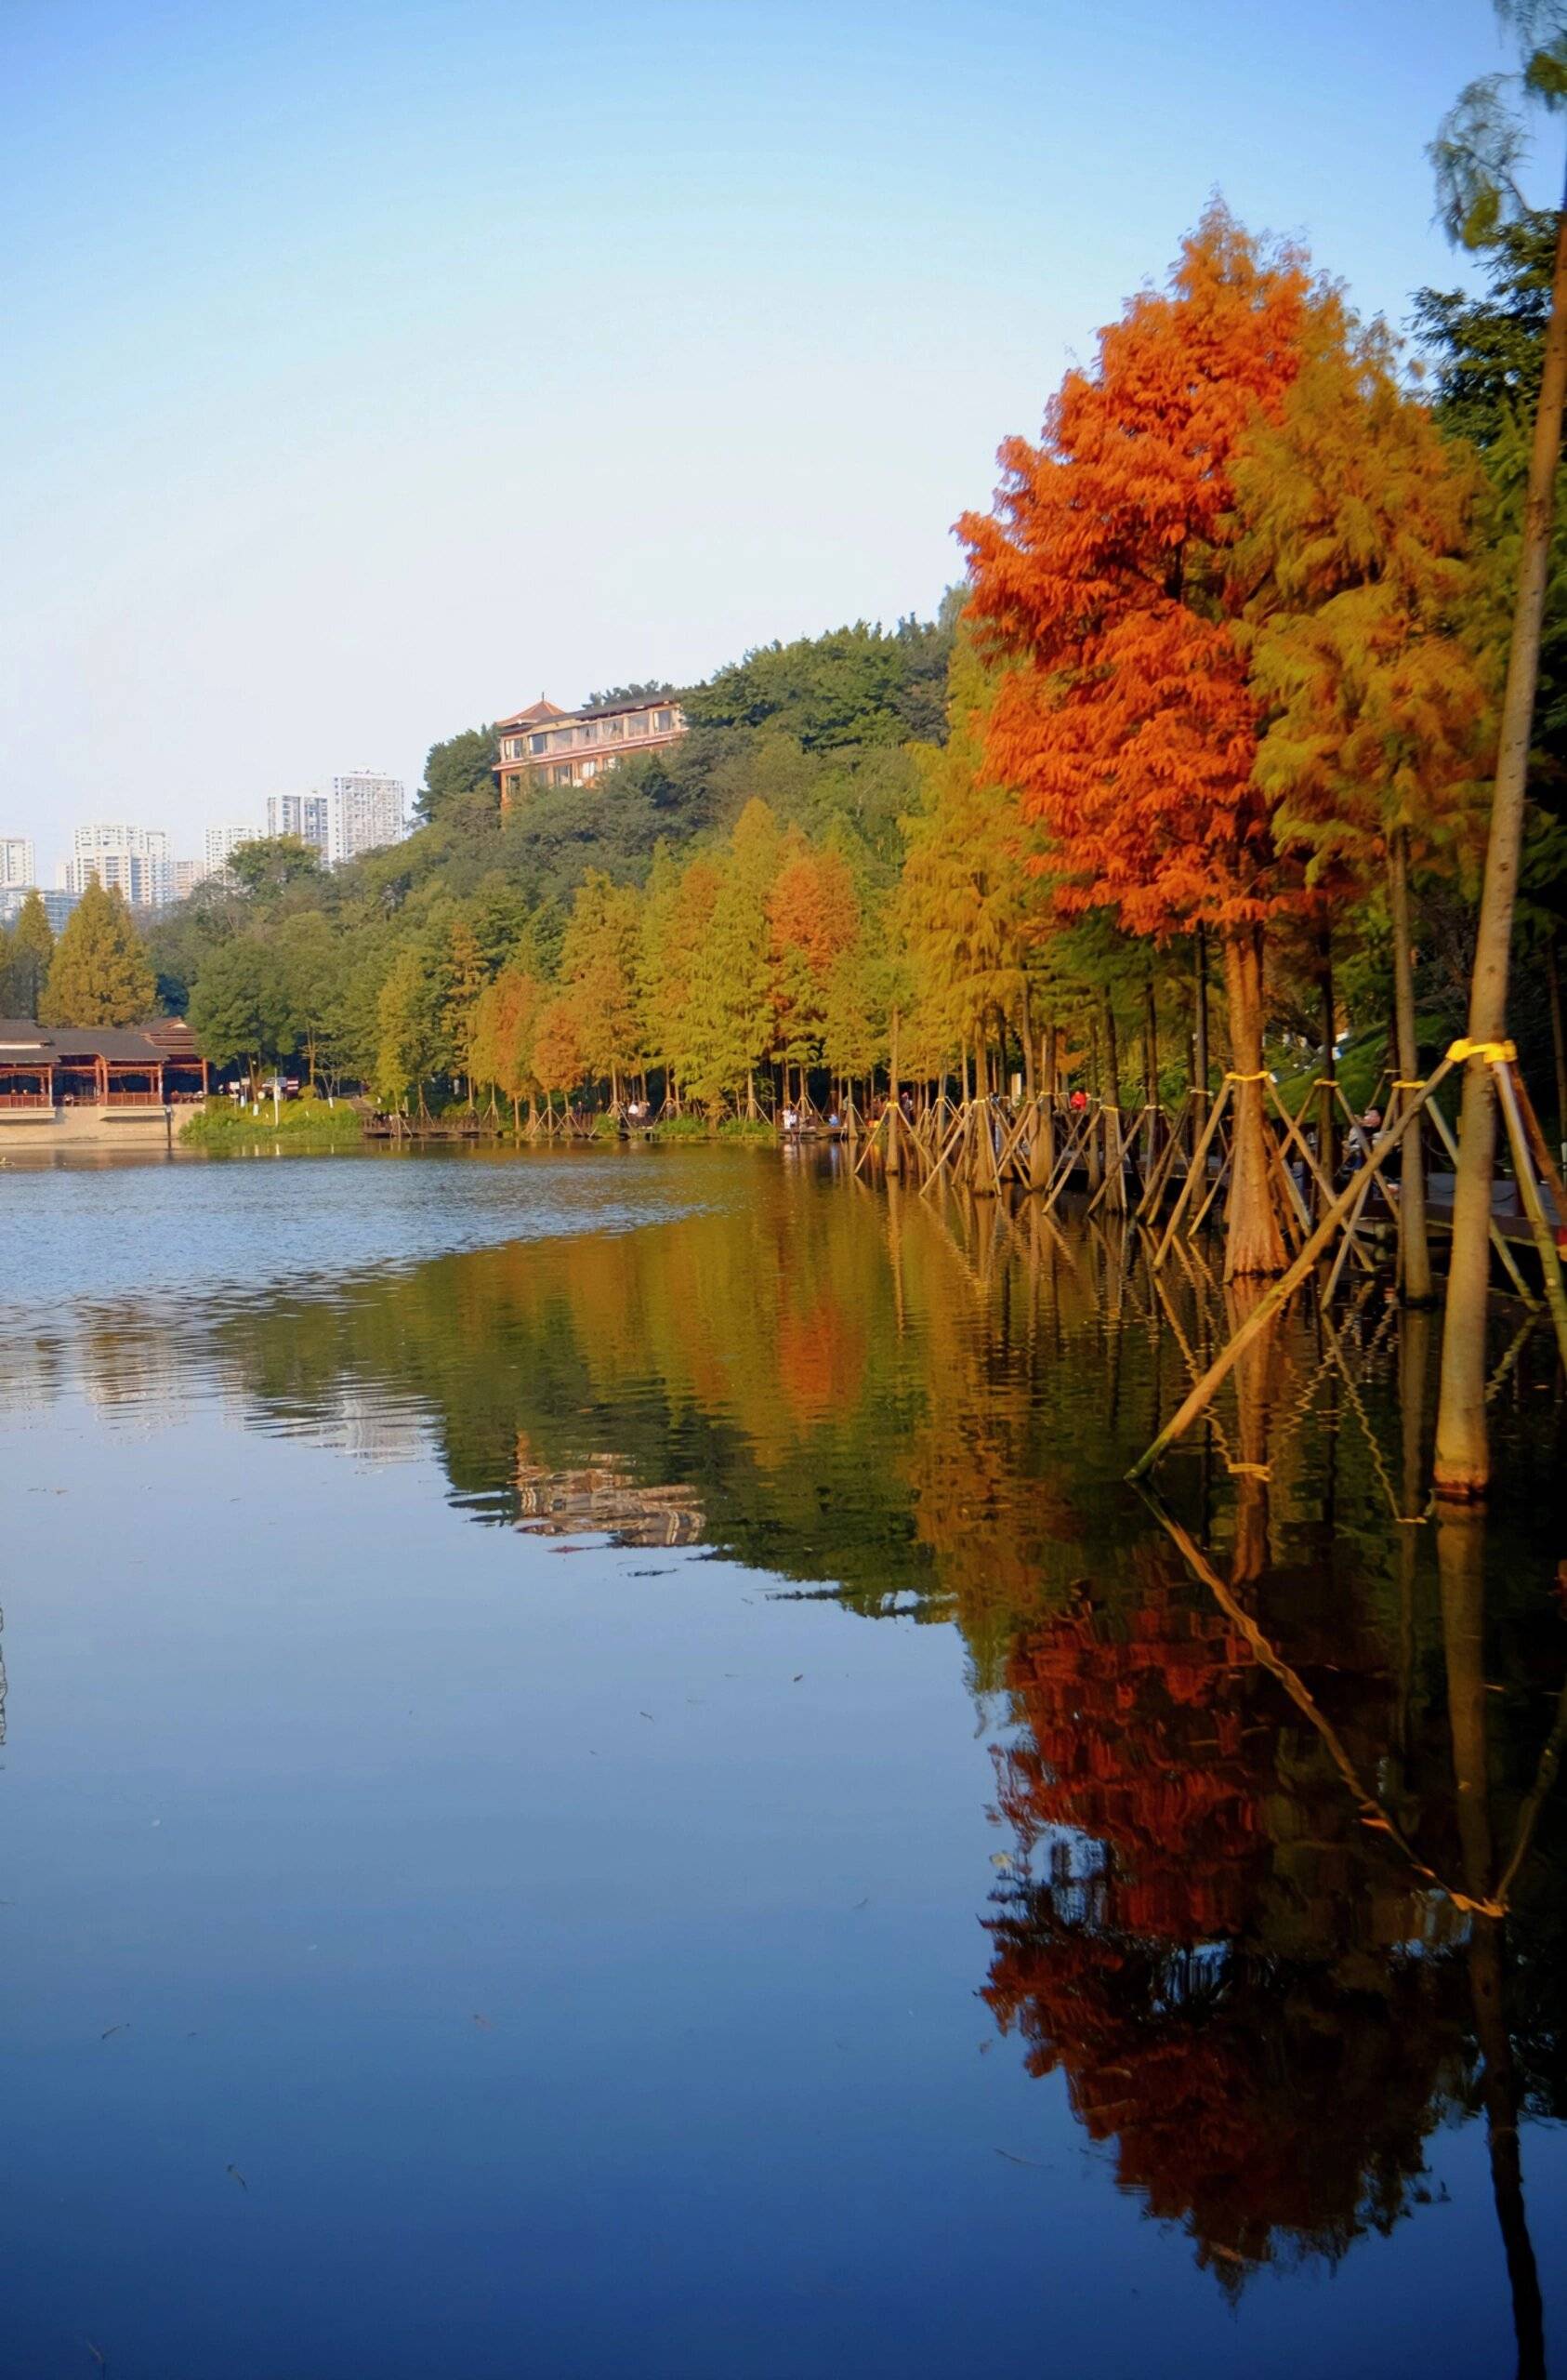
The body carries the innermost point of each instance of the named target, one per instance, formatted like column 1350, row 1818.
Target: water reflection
column 1285, row 1887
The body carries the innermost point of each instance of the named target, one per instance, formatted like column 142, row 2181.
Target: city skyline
column 141, row 861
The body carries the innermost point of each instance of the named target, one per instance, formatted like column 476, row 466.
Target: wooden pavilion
column 47, row 1067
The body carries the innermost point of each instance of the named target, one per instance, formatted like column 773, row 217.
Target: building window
column 590, row 769
column 614, row 727
column 588, row 735
column 562, row 775
column 662, row 719
column 636, row 724
column 538, row 742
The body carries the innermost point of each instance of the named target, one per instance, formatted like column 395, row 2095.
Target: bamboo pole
column 1545, row 1239
column 1196, row 1171
column 1498, row 1237
column 1285, row 1286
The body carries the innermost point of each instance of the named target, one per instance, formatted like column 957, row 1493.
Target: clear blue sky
column 372, row 368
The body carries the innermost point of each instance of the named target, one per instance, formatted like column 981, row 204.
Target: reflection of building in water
column 371, row 1426
column 603, row 1497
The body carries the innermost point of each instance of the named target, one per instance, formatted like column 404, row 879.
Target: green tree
column 598, row 968
column 461, row 766
column 99, row 973
column 466, row 976
column 1476, row 155
column 29, row 949
column 676, row 921
column 408, row 1019
column 240, row 1009
column 728, row 1019
column 854, row 685
column 312, row 963
column 265, row 868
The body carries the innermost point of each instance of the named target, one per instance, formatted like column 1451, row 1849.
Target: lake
column 602, row 1775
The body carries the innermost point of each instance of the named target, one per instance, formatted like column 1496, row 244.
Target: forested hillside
column 1227, row 726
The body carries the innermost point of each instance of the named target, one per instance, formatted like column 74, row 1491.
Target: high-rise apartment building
column 367, row 813
column 56, row 906
column 17, row 861
column 221, row 841
column 309, row 815
column 132, row 860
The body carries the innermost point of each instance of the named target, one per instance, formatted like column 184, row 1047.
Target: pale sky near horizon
column 372, row 368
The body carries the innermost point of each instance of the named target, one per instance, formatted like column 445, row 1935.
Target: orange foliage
column 1132, row 734
column 812, row 908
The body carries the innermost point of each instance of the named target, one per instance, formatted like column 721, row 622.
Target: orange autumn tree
column 1132, row 733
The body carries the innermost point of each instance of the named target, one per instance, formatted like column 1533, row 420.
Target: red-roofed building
column 544, row 745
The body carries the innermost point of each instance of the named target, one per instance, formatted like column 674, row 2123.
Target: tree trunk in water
column 1415, row 1254
column 1248, row 1560
column 1030, row 1081
column 1463, row 1453
column 1460, row 1564
column 895, row 1159
column 1253, row 1242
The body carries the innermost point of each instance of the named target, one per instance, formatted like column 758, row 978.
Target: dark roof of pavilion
column 23, row 1043
column 20, row 1037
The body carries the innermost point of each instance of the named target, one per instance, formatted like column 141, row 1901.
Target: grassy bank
column 223, row 1127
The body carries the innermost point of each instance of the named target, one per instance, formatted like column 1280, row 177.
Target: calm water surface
column 601, row 1776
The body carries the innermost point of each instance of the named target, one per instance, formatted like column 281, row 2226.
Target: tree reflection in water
column 1262, row 1794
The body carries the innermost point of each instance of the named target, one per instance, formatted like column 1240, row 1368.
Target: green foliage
column 224, row 1127
column 25, row 953
column 641, row 690
column 1482, row 141
column 240, row 1012
column 99, row 973
column 408, row 1047
column 859, row 686
column 265, row 868
column 1487, row 348
column 458, row 770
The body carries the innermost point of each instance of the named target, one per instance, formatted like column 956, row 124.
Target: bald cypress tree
column 28, row 953
column 99, row 973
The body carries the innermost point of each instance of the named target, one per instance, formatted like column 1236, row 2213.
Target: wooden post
column 1529, row 1190
column 1285, row 1287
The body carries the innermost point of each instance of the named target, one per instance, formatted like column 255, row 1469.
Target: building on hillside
column 546, row 745
column 133, row 861
column 56, row 906
column 188, row 874
column 368, row 812
column 19, row 863
column 309, row 815
column 222, row 842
